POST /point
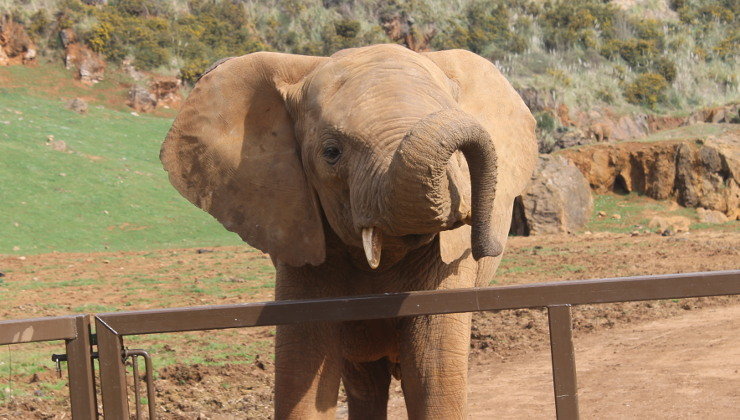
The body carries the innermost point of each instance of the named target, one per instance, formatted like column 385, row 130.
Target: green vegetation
column 605, row 51
column 106, row 191
column 647, row 89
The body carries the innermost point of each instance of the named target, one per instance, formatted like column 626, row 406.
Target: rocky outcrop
column 721, row 114
column 400, row 28
column 558, row 199
column 89, row 64
column 16, row 47
column 140, row 99
column 536, row 99
column 696, row 173
column 166, row 91
column 161, row 92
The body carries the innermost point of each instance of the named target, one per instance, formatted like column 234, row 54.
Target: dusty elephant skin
column 375, row 170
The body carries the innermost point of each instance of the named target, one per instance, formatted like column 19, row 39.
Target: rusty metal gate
column 557, row 297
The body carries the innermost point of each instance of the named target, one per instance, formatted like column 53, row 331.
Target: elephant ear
column 232, row 152
column 483, row 92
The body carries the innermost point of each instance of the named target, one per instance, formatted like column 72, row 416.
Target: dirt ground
column 679, row 368
column 675, row 358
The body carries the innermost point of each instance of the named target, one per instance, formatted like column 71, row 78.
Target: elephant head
column 380, row 146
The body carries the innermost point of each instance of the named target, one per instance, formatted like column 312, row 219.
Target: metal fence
column 558, row 297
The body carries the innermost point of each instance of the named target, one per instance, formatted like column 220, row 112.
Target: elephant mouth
column 373, row 240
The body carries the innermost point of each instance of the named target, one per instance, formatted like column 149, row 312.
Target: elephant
column 375, row 170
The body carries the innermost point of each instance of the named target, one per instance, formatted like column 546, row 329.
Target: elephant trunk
column 418, row 187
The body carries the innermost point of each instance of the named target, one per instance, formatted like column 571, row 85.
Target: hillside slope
column 97, row 185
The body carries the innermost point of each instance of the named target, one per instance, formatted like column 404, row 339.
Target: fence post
column 81, row 372
column 563, row 362
column 112, row 372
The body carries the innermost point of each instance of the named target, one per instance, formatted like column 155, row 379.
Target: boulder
column 17, row 46
column 537, row 100
column 566, row 137
column 694, row 172
column 166, row 91
column 161, row 92
column 557, row 200
column 140, row 99
column 77, row 105
column 711, row 216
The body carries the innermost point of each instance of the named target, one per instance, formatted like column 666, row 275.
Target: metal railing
column 75, row 331
column 557, row 297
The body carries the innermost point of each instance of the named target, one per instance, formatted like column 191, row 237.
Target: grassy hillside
column 108, row 191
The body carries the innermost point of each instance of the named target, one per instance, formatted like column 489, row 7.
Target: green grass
column 108, row 193
column 634, row 210
column 691, row 132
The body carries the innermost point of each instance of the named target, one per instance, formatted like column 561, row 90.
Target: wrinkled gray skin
column 299, row 154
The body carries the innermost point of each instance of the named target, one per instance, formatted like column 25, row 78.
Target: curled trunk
column 418, row 188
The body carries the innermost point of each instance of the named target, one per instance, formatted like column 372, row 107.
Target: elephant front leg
column 307, row 371
column 367, row 389
column 434, row 366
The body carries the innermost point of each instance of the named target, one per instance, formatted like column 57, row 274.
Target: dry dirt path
column 682, row 367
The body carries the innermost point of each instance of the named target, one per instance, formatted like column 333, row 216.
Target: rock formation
column 16, row 47
column 558, row 199
column 89, row 64
column 400, row 28
column 696, row 173
column 140, row 99
column 161, row 92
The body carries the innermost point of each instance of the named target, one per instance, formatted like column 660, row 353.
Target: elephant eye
column 332, row 154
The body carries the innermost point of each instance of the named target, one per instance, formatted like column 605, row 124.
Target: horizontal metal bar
column 38, row 329
column 671, row 286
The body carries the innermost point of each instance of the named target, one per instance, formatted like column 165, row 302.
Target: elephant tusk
column 372, row 242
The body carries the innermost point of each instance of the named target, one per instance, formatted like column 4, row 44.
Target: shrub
column 577, row 23
column 637, row 52
column 546, row 121
column 666, row 68
column 487, row 24
column 647, row 89
column 649, row 30
column 39, row 23
column 347, row 28
column 192, row 70
column 610, row 49
column 729, row 47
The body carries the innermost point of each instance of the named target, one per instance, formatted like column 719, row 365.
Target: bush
column 582, row 22
column 487, row 25
column 650, row 30
column 647, row 89
column 347, row 28
column 192, row 70
column 39, row 23
column 546, row 121
column 637, row 52
column 729, row 47
column 666, row 68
